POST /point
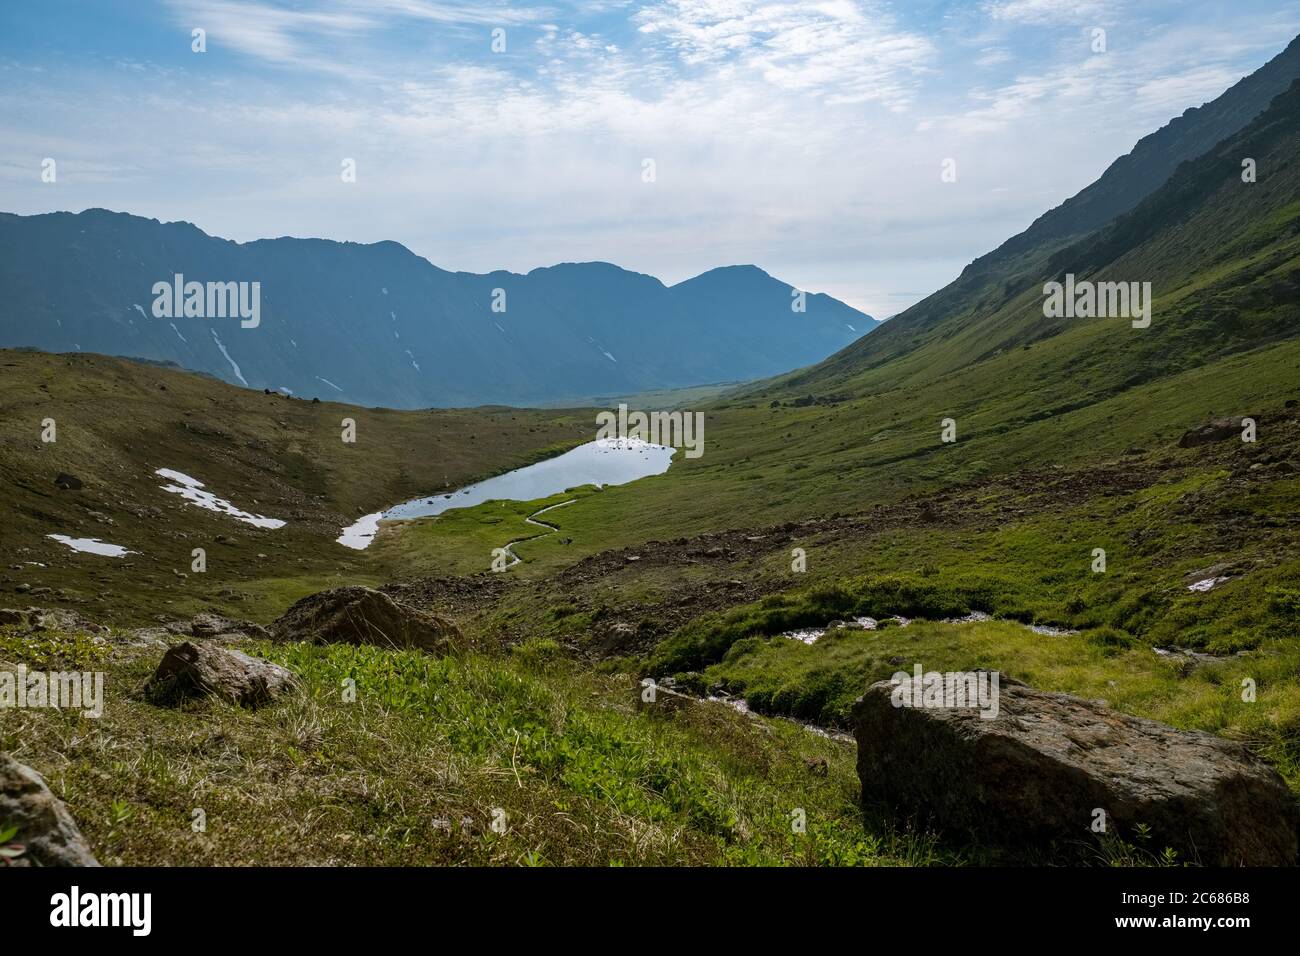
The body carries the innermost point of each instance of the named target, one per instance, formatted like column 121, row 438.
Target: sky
column 808, row 138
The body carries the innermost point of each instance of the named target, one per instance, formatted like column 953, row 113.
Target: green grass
column 820, row 682
column 462, row 540
column 430, row 752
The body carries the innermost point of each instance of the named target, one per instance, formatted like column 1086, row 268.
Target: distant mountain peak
column 379, row 324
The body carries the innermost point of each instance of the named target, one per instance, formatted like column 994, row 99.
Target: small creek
column 532, row 519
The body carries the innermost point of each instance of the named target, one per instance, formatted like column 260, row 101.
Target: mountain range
column 378, row 325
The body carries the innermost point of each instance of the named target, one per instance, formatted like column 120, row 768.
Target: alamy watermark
column 208, row 300
column 950, row 690
column 673, row 429
column 60, row 690
column 1100, row 300
column 74, row 908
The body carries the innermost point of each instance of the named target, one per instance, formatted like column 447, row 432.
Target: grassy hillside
column 118, row 421
column 430, row 754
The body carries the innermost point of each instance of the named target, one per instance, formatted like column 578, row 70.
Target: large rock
column 202, row 670
column 1033, row 776
column 45, row 828
column 358, row 615
column 1216, row 431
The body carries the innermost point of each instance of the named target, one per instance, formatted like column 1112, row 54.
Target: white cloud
column 297, row 37
column 265, row 31
column 844, row 52
column 1053, row 12
column 804, row 136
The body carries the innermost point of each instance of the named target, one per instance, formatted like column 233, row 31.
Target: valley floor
column 692, row 576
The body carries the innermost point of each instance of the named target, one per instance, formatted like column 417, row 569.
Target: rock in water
column 45, row 828
column 1035, row 775
column 359, row 615
column 202, row 670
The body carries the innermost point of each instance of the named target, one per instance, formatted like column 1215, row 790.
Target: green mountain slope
column 996, row 283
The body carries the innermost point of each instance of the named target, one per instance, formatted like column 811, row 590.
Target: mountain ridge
column 378, row 324
column 920, row 342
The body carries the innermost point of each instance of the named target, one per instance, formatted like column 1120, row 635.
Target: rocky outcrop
column 47, row 619
column 1033, row 778
column 208, row 670
column 211, row 626
column 1219, row 430
column 359, row 615
column 46, row 832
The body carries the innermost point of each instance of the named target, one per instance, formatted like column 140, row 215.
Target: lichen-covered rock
column 200, row 670
column 360, row 615
column 46, row 830
column 1035, row 775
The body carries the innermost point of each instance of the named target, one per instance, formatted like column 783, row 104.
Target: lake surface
column 606, row 461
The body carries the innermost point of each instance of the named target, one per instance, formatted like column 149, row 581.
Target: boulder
column 202, row 670
column 12, row 616
column 1221, row 429
column 616, row 637
column 1031, row 778
column 213, row 626
column 67, row 482
column 46, row 831
column 360, row 615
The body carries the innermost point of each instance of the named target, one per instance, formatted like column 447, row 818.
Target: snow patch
column 238, row 374
column 91, row 546
column 191, row 489
column 358, row 536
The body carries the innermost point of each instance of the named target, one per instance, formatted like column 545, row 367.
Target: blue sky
column 807, row 138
